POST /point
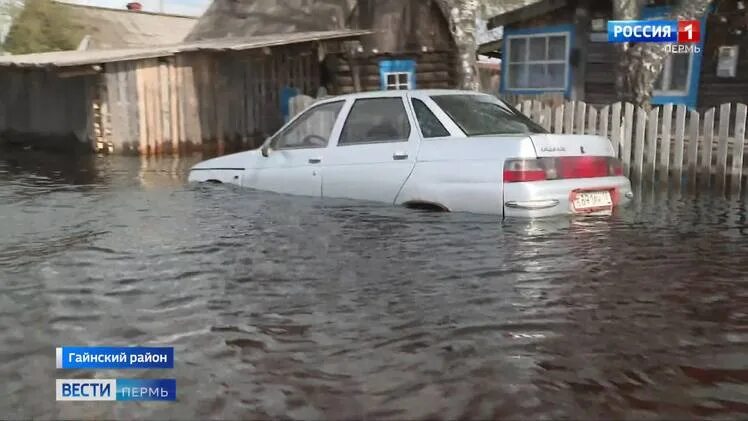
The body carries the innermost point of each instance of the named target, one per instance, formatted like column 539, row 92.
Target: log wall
column 434, row 70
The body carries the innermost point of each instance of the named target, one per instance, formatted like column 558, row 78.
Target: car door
column 293, row 161
column 375, row 151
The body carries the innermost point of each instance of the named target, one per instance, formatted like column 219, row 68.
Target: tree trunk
column 641, row 64
column 461, row 16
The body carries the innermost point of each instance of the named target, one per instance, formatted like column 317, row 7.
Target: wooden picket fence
column 669, row 146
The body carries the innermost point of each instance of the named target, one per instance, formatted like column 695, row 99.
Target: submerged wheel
column 426, row 206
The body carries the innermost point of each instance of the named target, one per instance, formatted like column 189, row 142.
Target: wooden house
column 559, row 48
column 410, row 44
column 222, row 95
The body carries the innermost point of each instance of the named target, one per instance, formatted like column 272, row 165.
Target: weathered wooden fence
column 668, row 145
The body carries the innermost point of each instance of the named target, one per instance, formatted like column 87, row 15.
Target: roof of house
column 257, row 17
column 122, row 28
column 89, row 57
column 516, row 10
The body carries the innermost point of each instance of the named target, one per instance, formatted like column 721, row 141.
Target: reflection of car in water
column 452, row 150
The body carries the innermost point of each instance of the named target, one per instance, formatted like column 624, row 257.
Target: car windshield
column 479, row 115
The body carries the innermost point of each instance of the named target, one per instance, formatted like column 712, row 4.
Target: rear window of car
column 480, row 115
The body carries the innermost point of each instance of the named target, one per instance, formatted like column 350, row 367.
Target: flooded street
column 290, row 307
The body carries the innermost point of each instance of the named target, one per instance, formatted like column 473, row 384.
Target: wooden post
column 693, row 148
column 569, row 117
column 652, row 137
column 604, row 119
column 638, row 146
column 738, row 149
column 680, row 131
column 706, row 161
column 722, row 146
column 558, row 125
column 173, row 105
column 142, row 110
column 667, row 121
column 628, row 127
column 581, row 110
column 616, row 134
column 592, row 123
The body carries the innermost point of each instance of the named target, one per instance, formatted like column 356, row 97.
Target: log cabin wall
column 210, row 101
column 40, row 107
column 434, row 70
column 410, row 29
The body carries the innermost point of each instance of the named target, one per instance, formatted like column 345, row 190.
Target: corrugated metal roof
column 78, row 58
column 122, row 28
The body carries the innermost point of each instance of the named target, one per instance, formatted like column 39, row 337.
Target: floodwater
column 283, row 307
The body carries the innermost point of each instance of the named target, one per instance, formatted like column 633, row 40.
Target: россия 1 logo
column 684, row 33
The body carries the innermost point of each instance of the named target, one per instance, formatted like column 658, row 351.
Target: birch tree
column 640, row 64
column 461, row 17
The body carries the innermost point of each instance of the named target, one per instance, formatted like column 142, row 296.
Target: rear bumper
column 549, row 198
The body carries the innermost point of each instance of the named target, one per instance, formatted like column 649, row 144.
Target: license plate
column 589, row 201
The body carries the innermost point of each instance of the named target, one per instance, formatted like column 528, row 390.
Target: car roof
column 382, row 93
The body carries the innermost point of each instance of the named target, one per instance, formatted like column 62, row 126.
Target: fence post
column 559, row 120
column 615, row 129
column 604, row 126
column 706, row 161
column 738, row 148
column 628, row 127
column 638, row 146
column 537, row 112
column 667, row 121
column 680, row 131
column 724, row 128
column 592, row 123
column 569, row 117
column 652, row 135
column 581, row 115
column 547, row 117
column 693, row 148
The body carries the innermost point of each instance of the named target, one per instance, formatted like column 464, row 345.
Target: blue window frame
column 397, row 74
column 679, row 81
column 537, row 60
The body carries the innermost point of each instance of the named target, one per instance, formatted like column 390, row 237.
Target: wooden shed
column 224, row 94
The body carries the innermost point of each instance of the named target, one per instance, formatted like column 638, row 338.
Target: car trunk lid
column 555, row 145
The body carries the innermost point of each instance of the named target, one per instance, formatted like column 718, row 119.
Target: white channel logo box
column 88, row 389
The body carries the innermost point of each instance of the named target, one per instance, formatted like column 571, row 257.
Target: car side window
column 429, row 123
column 376, row 120
column 311, row 130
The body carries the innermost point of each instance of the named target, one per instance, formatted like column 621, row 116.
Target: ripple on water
column 283, row 307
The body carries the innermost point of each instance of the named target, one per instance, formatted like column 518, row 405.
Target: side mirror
column 265, row 150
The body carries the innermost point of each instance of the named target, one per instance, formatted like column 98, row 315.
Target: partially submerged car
column 445, row 149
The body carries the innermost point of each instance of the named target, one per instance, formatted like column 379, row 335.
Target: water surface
column 289, row 307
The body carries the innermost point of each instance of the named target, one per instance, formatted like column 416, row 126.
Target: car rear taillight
column 559, row 168
column 518, row 170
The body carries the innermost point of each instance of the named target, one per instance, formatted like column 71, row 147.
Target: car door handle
column 399, row 155
column 315, row 160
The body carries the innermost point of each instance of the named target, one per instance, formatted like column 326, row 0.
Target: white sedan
column 444, row 149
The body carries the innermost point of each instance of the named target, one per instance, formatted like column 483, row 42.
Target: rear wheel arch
column 425, row 205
